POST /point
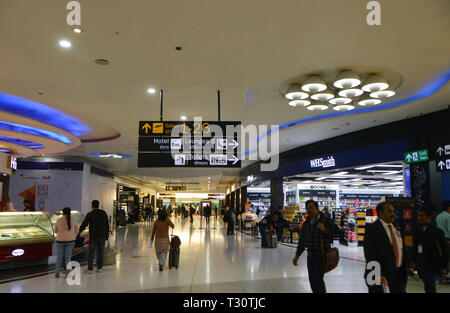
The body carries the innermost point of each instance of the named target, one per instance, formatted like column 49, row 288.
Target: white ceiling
column 240, row 47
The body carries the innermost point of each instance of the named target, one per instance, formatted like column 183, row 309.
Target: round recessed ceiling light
column 343, row 107
column 351, row 93
column 369, row 101
column 183, row 117
column 295, row 92
column 317, row 107
column 65, row 44
column 375, row 83
column 151, row 90
column 296, row 103
column 323, row 96
column 102, row 62
column 347, row 80
column 339, row 101
column 77, row 30
column 314, row 84
column 381, row 94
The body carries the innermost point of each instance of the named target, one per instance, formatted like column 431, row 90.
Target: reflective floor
column 210, row 262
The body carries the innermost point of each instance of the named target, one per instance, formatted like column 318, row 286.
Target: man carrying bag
column 316, row 236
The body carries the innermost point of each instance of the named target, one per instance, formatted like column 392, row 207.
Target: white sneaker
column 88, row 271
column 99, row 270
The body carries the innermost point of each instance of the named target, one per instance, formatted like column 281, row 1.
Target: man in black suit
column 384, row 244
column 430, row 253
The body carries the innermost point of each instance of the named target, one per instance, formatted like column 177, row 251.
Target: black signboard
column 175, row 188
column 167, row 144
column 189, row 144
column 187, row 160
column 258, row 195
column 317, row 193
column 194, row 128
column 442, row 153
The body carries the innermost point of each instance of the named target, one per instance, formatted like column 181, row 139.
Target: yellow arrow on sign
column 146, row 127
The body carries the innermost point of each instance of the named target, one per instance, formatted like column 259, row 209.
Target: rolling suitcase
column 271, row 240
column 174, row 257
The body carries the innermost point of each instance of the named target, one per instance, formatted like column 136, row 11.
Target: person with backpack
column 316, row 237
column 160, row 237
column 98, row 223
column 66, row 229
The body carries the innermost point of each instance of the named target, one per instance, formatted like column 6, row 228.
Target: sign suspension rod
column 161, row 99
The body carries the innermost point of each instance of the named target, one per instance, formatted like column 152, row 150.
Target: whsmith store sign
column 323, row 163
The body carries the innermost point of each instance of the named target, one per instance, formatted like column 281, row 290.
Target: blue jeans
column 96, row 246
column 63, row 252
column 315, row 275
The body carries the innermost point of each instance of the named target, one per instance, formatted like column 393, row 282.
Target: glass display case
column 79, row 218
column 25, row 235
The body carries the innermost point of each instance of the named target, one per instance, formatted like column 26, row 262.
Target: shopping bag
column 150, row 243
column 109, row 257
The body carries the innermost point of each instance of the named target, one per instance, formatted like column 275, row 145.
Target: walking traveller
column 160, row 237
column 268, row 223
column 97, row 220
column 229, row 219
column 191, row 213
column 66, row 229
column 443, row 222
column 430, row 253
column 207, row 213
column 384, row 243
column 316, row 237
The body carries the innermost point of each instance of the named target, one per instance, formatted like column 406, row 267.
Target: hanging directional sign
column 187, row 160
column 175, row 188
column 199, row 128
column 189, row 144
column 416, row 156
column 442, row 153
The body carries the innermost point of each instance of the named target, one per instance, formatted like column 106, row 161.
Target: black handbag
column 79, row 242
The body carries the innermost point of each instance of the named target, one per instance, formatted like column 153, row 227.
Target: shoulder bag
column 330, row 258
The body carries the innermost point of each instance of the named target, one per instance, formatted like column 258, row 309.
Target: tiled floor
column 210, row 262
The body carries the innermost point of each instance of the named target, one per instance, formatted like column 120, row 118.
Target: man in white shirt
column 383, row 243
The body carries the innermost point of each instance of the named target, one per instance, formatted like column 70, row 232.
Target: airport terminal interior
column 249, row 125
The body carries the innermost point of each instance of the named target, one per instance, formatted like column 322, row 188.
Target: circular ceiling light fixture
column 366, row 101
column 295, row 92
column 323, row 96
column 339, row 101
column 102, row 61
column 77, row 30
column 183, row 117
column 343, row 107
column 151, row 91
column 351, row 93
column 317, row 106
column 381, row 94
column 375, row 83
column 65, row 44
column 347, row 79
column 297, row 103
column 314, row 84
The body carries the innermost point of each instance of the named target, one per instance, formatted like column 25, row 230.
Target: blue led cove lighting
column 432, row 87
column 34, row 131
column 21, row 142
column 42, row 113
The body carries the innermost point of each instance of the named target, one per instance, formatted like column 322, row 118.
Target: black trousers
column 428, row 274
column 262, row 230
column 396, row 282
column 230, row 228
column 207, row 219
column 96, row 246
column 315, row 275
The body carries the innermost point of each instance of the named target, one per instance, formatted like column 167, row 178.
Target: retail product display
column 25, row 235
column 248, row 218
column 361, row 225
column 261, row 201
column 325, row 198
